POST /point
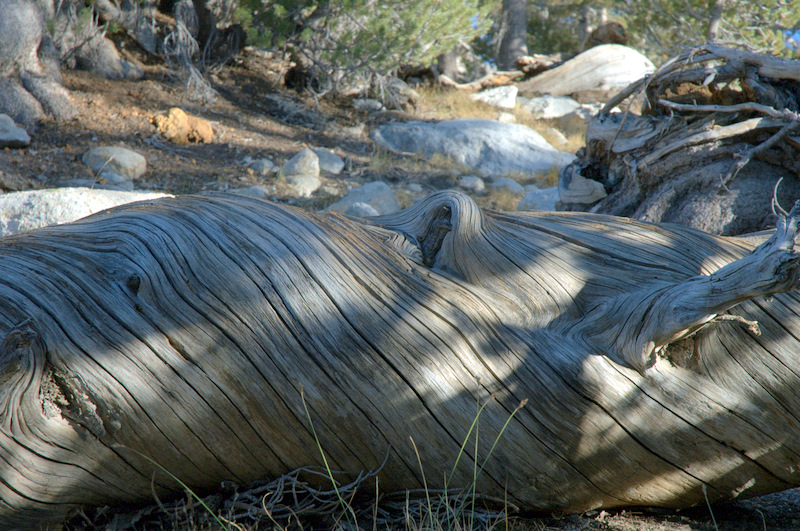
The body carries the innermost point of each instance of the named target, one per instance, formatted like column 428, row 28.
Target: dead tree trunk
column 190, row 332
column 718, row 131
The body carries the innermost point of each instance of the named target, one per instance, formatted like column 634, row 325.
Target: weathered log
column 708, row 149
column 591, row 76
column 194, row 331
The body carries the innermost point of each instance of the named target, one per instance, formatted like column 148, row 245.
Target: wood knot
column 431, row 242
column 133, row 283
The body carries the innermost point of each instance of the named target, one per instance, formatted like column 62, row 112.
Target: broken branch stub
column 193, row 332
column 635, row 327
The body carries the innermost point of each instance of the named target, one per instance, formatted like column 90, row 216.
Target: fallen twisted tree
column 218, row 337
column 718, row 130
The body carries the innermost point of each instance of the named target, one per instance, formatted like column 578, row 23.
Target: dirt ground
column 250, row 118
column 253, row 118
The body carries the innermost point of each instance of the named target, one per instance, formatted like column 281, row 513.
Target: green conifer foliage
column 662, row 28
column 346, row 38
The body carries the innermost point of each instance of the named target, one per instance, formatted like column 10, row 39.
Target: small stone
column 556, row 137
column 305, row 162
column 509, row 184
column 329, row 161
column 263, row 167
column 12, row 135
column 302, row 172
column 110, row 177
column 402, row 93
column 109, row 160
column 575, row 188
column 506, row 118
column 415, row 187
column 355, row 131
column 376, row 194
column 257, row 191
column 304, row 184
column 368, row 105
column 473, row 183
column 503, row 97
column 361, row 210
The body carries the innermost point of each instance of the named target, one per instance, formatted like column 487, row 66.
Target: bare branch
column 749, row 106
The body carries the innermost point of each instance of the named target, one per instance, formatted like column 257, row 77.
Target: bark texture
column 719, row 129
column 190, row 331
column 30, row 82
column 514, row 32
column 594, row 75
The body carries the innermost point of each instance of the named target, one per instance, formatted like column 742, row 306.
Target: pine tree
column 661, row 28
column 346, row 39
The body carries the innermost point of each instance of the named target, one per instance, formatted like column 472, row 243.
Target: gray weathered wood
column 188, row 330
column 604, row 68
column 713, row 140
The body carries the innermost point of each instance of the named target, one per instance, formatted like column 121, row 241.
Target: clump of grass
column 498, row 199
column 549, row 179
column 386, row 162
column 448, row 104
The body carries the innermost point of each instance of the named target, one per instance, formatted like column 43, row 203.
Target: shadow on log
column 186, row 330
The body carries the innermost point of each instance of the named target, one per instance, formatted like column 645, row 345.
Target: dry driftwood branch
column 705, row 152
column 759, row 149
column 196, row 331
column 750, row 106
column 768, row 66
column 533, row 64
column 713, row 135
column 496, row 79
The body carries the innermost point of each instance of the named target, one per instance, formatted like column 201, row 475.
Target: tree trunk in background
column 715, row 18
column 514, row 35
column 447, row 64
column 219, row 336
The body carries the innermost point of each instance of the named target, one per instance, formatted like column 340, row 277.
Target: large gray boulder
column 23, row 211
column 486, row 146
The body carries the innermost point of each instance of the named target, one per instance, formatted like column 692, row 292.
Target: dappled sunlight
column 231, row 339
